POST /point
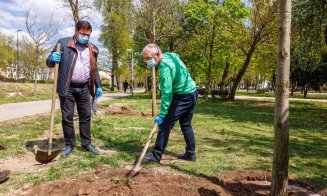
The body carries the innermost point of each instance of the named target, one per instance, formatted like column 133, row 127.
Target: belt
column 184, row 95
column 78, row 85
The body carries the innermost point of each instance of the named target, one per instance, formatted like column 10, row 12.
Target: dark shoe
column 186, row 157
column 4, row 175
column 149, row 158
column 2, row 147
column 67, row 151
column 92, row 149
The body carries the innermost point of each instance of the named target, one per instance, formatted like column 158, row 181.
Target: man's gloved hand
column 55, row 57
column 159, row 120
column 98, row 92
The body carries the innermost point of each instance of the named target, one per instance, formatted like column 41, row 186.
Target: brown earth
column 104, row 181
column 123, row 109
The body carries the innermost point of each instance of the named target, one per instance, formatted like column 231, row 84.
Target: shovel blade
column 4, row 175
column 43, row 157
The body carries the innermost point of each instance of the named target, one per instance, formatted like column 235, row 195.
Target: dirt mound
column 161, row 182
column 123, row 109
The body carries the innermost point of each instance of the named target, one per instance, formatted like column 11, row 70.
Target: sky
column 12, row 17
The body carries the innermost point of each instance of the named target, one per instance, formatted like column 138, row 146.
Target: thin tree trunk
column 292, row 88
column 153, row 39
column 114, row 62
column 281, row 119
column 305, row 90
column 75, row 10
column 241, row 72
column 208, row 84
column 35, row 70
column 118, row 82
column 225, row 74
column 146, row 82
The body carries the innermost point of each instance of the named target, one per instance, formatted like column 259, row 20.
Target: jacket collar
column 72, row 44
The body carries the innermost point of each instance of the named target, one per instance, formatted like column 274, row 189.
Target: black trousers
column 80, row 95
column 181, row 109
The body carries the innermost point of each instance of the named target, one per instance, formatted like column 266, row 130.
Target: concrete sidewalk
column 23, row 109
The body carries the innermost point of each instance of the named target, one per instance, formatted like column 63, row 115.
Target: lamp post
column 17, row 62
column 132, row 70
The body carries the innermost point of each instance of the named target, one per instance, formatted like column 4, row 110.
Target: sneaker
column 186, row 156
column 91, row 149
column 149, row 158
column 67, row 151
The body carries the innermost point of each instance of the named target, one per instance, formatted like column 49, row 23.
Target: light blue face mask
column 151, row 63
column 83, row 39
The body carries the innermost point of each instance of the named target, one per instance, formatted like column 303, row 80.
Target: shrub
column 201, row 91
column 261, row 91
column 223, row 94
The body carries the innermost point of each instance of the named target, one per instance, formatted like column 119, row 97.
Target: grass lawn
column 295, row 95
column 43, row 91
column 229, row 136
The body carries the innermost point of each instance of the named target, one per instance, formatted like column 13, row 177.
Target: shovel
column 45, row 156
column 137, row 167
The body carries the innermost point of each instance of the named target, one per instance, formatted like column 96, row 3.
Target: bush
column 201, row 91
column 324, row 88
column 261, row 91
column 223, row 94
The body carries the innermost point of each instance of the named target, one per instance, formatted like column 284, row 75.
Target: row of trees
column 223, row 42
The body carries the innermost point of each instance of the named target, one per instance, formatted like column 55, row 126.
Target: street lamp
column 132, row 69
column 17, row 63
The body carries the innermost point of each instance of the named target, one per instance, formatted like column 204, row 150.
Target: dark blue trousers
column 81, row 96
column 181, row 109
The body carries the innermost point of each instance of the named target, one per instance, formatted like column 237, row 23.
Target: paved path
column 20, row 110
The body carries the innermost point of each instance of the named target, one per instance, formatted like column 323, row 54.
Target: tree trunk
column 241, row 72
column 75, row 9
column 114, row 62
column 118, row 82
column 152, row 40
column 35, row 70
column 225, row 74
column 273, row 82
column 292, row 88
column 305, row 90
column 208, row 84
column 35, row 82
column 146, row 82
column 281, row 119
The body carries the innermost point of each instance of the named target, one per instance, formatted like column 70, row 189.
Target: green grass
column 229, row 136
column 43, row 91
column 295, row 95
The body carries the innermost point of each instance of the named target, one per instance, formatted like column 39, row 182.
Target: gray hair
column 153, row 48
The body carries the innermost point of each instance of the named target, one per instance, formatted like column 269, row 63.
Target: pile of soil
column 123, row 109
column 162, row 182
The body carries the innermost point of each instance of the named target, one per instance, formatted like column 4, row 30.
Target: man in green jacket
column 178, row 98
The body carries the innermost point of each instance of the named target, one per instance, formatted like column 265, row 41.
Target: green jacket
column 174, row 79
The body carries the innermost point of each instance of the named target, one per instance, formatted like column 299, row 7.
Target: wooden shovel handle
column 145, row 148
column 53, row 104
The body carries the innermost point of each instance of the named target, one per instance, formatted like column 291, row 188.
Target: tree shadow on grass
column 263, row 112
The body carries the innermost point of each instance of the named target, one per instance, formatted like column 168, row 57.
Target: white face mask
column 151, row 63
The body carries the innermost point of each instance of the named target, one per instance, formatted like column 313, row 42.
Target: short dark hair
column 82, row 24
